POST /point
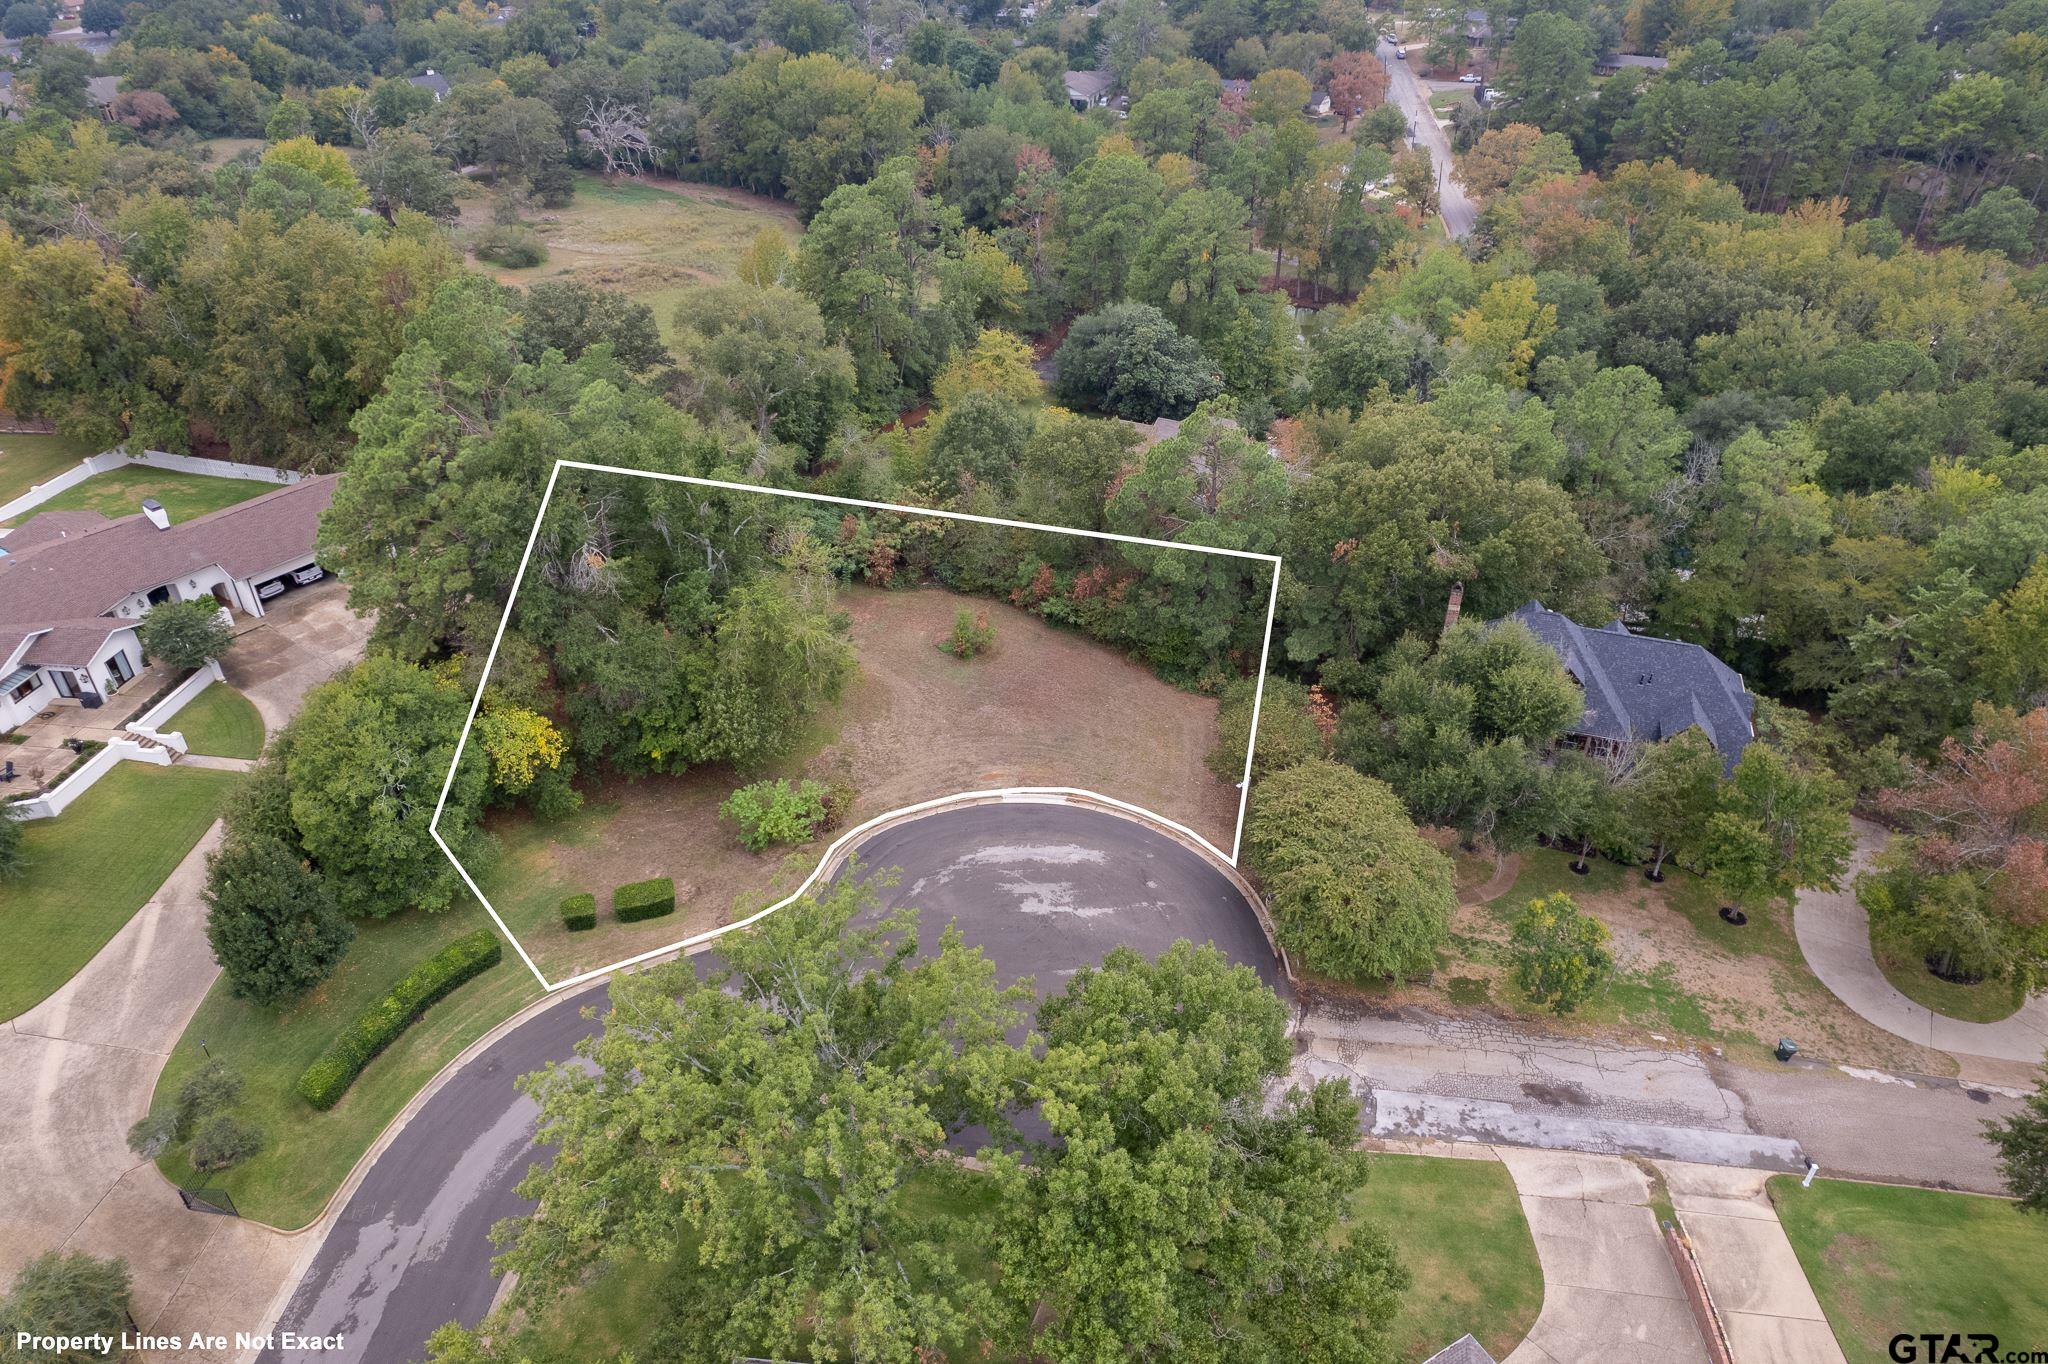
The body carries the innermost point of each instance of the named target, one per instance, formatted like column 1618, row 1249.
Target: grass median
column 307, row 1153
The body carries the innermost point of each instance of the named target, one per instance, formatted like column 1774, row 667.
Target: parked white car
column 311, row 573
column 1468, row 79
column 265, row 591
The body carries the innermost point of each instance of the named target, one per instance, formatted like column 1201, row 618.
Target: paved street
column 1043, row 888
column 1411, row 97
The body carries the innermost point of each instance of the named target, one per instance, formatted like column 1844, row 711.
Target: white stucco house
column 73, row 585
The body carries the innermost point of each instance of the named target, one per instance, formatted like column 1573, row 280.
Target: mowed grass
column 119, row 492
column 307, row 1153
column 220, row 722
column 26, row 461
column 93, row 866
column 654, row 240
column 1986, row 1002
column 1457, row 1224
column 1886, row 1260
column 1459, row 1227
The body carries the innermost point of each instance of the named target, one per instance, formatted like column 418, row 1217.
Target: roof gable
column 1641, row 688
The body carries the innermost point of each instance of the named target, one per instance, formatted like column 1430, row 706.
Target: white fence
column 52, row 802
column 153, row 459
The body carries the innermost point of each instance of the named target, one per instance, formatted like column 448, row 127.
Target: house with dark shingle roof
column 1641, row 689
column 1463, row 1350
column 433, row 82
column 74, row 585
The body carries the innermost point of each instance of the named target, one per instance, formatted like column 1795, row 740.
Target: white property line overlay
column 1244, row 784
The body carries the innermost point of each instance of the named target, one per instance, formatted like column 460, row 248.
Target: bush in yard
column 13, row 859
column 65, row 1295
column 223, row 1142
column 207, row 1091
column 649, row 899
column 773, row 812
column 183, row 635
column 1561, row 954
column 1356, row 893
column 377, row 1027
column 272, row 920
column 579, row 912
column 1291, row 728
column 513, row 247
column 972, row 634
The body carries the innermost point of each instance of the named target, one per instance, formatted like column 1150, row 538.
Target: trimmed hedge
column 648, row 899
column 377, row 1027
column 579, row 912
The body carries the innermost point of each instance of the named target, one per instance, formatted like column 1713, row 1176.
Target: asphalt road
column 1408, row 94
column 1044, row 889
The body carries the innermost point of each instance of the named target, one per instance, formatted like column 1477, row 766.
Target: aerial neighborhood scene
column 1232, row 681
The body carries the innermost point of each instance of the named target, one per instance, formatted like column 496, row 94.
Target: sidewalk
column 1752, row 1274
column 1834, row 935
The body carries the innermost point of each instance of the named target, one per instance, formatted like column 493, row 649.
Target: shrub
column 772, row 812
column 972, row 634
column 377, row 1027
column 579, row 912
column 213, row 1087
column 224, row 1141
column 1289, row 728
column 65, row 1295
column 514, row 247
column 649, row 899
column 1560, row 953
column 1356, row 892
column 183, row 635
column 839, row 799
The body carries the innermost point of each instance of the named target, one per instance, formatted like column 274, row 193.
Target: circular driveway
column 1044, row 888
column 1047, row 888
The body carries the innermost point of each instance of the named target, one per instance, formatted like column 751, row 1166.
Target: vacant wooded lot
column 1042, row 707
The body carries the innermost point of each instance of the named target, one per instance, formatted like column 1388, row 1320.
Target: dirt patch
column 1680, row 972
column 1040, row 708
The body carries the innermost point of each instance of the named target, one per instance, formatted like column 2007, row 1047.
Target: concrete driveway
column 1609, row 1291
column 80, row 1068
column 1834, row 935
column 308, row 636
column 1754, row 1277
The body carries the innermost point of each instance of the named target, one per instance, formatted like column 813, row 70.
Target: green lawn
column 220, row 722
column 1460, row 1230
column 307, row 1153
column 1985, row 1003
column 28, row 460
column 119, row 492
column 93, row 866
column 1886, row 1260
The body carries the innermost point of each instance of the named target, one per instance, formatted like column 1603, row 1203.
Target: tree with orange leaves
column 1967, row 888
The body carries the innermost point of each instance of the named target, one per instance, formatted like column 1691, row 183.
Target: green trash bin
column 1787, row 1049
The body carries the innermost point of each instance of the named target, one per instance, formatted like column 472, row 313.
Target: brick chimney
column 1457, row 605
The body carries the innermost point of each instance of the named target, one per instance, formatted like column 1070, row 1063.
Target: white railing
column 53, row 802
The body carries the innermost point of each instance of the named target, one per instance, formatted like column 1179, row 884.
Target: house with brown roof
column 74, row 585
